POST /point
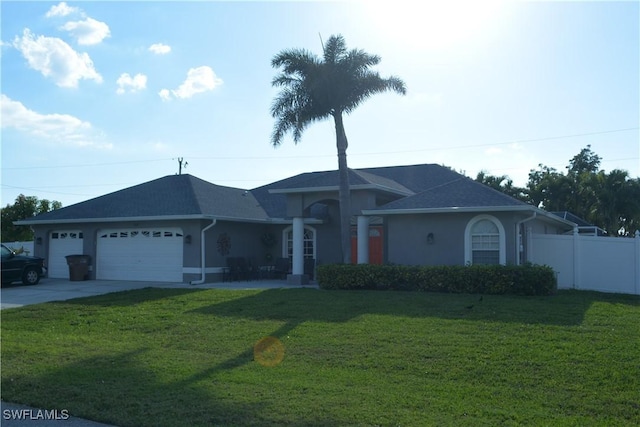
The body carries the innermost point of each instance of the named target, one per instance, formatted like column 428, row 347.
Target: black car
column 27, row 269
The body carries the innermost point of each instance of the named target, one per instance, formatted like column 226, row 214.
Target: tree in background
column 24, row 207
column 314, row 89
column 610, row 201
column 502, row 183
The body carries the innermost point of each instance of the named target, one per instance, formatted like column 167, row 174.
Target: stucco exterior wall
column 328, row 241
column 407, row 241
column 245, row 242
column 297, row 204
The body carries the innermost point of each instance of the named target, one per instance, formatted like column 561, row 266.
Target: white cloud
column 200, row 79
column 57, row 128
column 160, row 147
column 62, row 9
column 56, row 59
column 133, row 84
column 165, row 94
column 88, row 32
column 159, row 48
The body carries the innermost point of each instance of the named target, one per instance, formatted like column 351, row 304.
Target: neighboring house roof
column 171, row 196
column 584, row 227
column 573, row 218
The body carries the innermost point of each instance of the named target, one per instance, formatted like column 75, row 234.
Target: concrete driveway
column 59, row 289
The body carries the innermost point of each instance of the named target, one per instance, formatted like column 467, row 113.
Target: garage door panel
column 140, row 254
column 61, row 244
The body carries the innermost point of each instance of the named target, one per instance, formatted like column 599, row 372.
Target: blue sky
column 100, row 96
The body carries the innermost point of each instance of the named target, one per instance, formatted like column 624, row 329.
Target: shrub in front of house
column 526, row 279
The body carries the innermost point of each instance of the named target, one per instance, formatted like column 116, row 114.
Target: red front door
column 376, row 239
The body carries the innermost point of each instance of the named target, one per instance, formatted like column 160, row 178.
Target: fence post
column 576, row 259
column 637, row 261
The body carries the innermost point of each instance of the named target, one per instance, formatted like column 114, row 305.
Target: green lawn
column 174, row 357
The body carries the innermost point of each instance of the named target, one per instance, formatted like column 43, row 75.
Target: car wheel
column 30, row 276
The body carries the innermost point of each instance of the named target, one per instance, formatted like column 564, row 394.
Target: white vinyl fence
column 605, row 264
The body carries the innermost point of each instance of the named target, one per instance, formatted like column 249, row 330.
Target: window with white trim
column 308, row 242
column 485, row 241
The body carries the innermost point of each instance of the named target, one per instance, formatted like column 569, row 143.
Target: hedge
column 526, row 279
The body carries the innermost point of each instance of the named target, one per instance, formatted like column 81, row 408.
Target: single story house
column 180, row 228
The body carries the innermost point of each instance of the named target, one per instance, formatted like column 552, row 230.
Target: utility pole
column 180, row 160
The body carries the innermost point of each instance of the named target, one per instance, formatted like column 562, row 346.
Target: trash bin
column 78, row 267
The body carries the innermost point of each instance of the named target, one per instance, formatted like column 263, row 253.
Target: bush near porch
column 481, row 279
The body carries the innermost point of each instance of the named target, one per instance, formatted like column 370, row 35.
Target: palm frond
column 313, row 88
column 334, row 49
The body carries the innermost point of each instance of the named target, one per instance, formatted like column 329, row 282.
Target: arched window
column 308, row 244
column 485, row 241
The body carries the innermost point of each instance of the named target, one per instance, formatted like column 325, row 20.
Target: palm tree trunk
column 343, row 195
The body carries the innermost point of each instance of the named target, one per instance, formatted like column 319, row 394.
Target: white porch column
column 298, row 246
column 363, row 239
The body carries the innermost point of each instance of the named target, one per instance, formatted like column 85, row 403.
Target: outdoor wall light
column 38, row 240
column 430, row 239
column 187, row 239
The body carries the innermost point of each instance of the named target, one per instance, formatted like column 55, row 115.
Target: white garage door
column 61, row 244
column 140, row 254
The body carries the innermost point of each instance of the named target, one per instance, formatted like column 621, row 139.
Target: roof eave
column 165, row 218
column 481, row 209
column 288, row 221
column 450, row 209
column 117, row 219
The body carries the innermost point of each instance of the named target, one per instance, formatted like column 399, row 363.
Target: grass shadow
column 295, row 306
column 130, row 297
column 120, row 390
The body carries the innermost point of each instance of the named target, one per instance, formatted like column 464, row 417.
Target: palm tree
column 314, row 89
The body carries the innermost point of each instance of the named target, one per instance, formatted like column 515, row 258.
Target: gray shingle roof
column 426, row 186
column 382, row 182
column 434, row 186
column 416, row 178
column 174, row 195
column 461, row 192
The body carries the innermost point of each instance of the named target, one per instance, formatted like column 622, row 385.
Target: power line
column 516, row 141
column 46, row 191
column 89, row 165
column 353, row 154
